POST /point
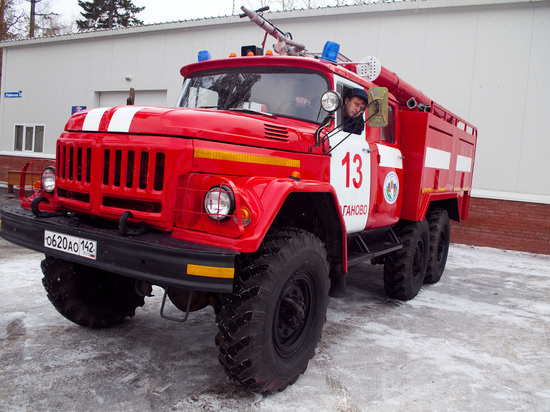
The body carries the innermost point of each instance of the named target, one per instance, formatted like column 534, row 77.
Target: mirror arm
column 322, row 126
column 376, row 111
column 338, row 128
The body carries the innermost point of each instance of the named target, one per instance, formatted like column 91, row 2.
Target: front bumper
column 154, row 257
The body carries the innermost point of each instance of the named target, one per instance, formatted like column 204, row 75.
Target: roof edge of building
column 404, row 6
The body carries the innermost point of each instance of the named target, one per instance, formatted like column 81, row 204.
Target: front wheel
column 405, row 269
column 270, row 326
column 87, row 296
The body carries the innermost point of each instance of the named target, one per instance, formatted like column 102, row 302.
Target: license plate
column 74, row 245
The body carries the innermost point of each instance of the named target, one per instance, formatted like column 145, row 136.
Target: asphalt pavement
column 8, row 199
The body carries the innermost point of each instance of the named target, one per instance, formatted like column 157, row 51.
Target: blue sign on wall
column 77, row 109
column 13, row 95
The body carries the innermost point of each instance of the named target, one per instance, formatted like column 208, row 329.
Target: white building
column 485, row 60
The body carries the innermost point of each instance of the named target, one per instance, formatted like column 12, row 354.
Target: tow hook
column 34, row 205
column 123, row 225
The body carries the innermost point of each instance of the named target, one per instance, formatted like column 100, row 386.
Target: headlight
column 330, row 101
column 219, row 203
column 48, row 179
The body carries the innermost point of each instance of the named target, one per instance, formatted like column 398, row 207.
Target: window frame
column 21, row 141
column 392, row 120
column 262, row 70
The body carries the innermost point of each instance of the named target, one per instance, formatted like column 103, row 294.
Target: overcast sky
column 158, row 11
column 161, row 11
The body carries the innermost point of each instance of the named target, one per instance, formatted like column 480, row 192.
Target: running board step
column 363, row 251
column 357, row 258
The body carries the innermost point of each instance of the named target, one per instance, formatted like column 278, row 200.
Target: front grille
column 130, row 204
column 74, row 163
column 121, row 168
column 133, row 169
column 70, row 194
column 126, row 178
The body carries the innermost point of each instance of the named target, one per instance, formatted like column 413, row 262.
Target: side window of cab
column 388, row 132
column 351, row 113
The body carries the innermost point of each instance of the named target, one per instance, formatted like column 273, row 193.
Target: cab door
column 350, row 171
column 387, row 172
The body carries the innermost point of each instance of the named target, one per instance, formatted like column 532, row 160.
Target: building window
column 28, row 138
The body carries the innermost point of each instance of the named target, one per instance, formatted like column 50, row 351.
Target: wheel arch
column 318, row 213
column 450, row 205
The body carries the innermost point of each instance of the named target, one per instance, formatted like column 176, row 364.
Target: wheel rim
column 293, row 314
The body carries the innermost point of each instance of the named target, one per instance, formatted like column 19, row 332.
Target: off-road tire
column 87, row 296
column 440, row 232
column 405, row 269
column 269, row 327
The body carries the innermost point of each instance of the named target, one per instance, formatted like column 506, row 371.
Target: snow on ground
column 477, row 340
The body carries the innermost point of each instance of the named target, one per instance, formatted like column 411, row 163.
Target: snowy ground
column 477, row 341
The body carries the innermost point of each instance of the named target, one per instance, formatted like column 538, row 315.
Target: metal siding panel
column 499, row 84
column 534, row 167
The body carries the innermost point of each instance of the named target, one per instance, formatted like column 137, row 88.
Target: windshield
column 292, row 93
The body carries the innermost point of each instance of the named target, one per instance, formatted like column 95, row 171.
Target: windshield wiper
column 236, row 109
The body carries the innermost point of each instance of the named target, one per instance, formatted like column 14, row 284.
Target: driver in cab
column 355, row 103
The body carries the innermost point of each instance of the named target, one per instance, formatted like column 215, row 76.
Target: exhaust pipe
column 411, row 103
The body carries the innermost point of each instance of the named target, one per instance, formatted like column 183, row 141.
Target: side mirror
column 378, row 107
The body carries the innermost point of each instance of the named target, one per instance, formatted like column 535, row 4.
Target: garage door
column 143, row 98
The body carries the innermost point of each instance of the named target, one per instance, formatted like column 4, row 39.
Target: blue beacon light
column 330, row 51
column 204, row 55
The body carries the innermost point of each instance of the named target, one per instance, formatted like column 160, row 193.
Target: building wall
column 505, row 224
column 14, row 163
column 485, row 60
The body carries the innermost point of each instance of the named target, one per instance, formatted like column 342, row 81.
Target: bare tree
column 287, row 4
column 309, row 4
column 43, row 22
column 12, row 20
column 10, row 24
column 257, row 4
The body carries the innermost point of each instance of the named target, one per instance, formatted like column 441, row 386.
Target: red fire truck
column 249, row 196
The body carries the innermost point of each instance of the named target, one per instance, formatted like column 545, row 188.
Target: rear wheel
column 405, row 269
column 270, row 326
column 440, row 231
column 87, row 296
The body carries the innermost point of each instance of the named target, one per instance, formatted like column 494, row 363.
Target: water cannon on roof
column 368, row 67
column 285, row 44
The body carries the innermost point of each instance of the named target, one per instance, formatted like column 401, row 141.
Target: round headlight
column 219, row 203
column 330, row 101
column 48, row 179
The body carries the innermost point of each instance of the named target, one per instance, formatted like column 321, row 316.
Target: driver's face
column 353, row 106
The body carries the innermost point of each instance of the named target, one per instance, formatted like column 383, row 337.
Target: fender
column 265, row 196
column 448, row 201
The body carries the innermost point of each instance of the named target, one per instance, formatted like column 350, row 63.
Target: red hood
column 230, row 127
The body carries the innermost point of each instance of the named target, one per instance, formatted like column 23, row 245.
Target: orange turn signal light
column 295, row 175
column 246, row 216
